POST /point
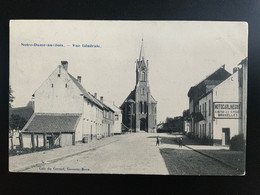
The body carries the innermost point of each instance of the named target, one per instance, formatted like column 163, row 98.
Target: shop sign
column 227, row 110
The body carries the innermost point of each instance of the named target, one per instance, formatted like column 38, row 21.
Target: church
column 139, row 108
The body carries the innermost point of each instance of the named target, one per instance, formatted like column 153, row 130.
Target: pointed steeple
column 142, row 50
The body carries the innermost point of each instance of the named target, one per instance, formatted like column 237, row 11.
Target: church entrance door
column 142, row 124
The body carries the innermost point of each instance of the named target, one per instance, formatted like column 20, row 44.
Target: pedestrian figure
column 157, row 140
column 180, row 142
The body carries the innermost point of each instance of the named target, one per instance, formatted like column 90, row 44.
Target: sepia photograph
column 128, row 97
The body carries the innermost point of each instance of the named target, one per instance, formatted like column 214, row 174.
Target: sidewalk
column 23, row 162
column 222, row 154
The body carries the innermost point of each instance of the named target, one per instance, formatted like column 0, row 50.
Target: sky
column 180, row 54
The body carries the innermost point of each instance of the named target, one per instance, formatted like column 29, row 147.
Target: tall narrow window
column 205, row 108
column 145, row 107
column 140, row 107
column 142, row 91
column 66, row 85
column 143, row 76
column 210, row 130
column 52, row 85
column 209, row 108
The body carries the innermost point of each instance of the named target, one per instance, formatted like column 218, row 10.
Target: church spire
column 142, row 50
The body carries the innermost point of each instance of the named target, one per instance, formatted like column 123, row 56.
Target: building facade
column 140, row 108
column 66, row 113
column 217, row 114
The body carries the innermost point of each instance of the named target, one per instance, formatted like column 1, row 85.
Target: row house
column 65, row 113
column 216, row 107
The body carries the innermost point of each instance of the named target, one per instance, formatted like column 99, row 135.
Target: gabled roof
column 153, row 100
column 214, row 79
column 52, row 123
column 86, row 94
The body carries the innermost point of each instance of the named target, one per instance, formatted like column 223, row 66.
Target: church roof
column 131, row 96
column 153, row 100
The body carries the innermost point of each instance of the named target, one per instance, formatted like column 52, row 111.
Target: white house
column 66, row 113
column 221, row 111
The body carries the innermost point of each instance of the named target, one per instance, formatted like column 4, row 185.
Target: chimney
column 101, row 99
column 235, row 69
column 65, row 65
column 95, row 94
column 79, row 79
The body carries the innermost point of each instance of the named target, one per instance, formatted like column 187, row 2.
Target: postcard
column 128, row 97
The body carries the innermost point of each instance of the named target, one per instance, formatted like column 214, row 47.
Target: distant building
column 24, row 112
column 66, row 113
column 139, row 108
column 216, row 107
column 117, row 118
column 186, row 125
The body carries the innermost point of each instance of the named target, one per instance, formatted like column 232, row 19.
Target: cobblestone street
column 137, row 154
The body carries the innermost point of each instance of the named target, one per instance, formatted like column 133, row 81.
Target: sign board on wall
column 227, row 110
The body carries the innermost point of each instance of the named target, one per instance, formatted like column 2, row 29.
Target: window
column 116, row 117
column 66, row 85
column 200, row 108
column 200, row 131
column 209, row 130
column 205, row 108
column 209, row 108
column 143, row 76
column 52, row 85
column 142, row 92
column 140, row 107
column 205, row 130
column 145, row 107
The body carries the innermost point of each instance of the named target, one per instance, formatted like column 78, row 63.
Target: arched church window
column 140, row 107
column 143, row 76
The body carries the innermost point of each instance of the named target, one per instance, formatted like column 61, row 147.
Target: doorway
column 225, row 136
column 142, row 124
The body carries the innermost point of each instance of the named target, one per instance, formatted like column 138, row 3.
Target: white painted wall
column 58, row 99
column 227, row 91
column 118, row 123
column 208, row 117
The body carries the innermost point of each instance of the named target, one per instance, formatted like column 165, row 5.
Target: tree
column 174, row 124
column 11, row 97
column 186, row 115
column 17, row 122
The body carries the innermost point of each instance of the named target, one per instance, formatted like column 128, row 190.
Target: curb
column 214, row 158
column 60, row 158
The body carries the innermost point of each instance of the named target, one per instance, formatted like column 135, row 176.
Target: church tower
column 140, row 107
